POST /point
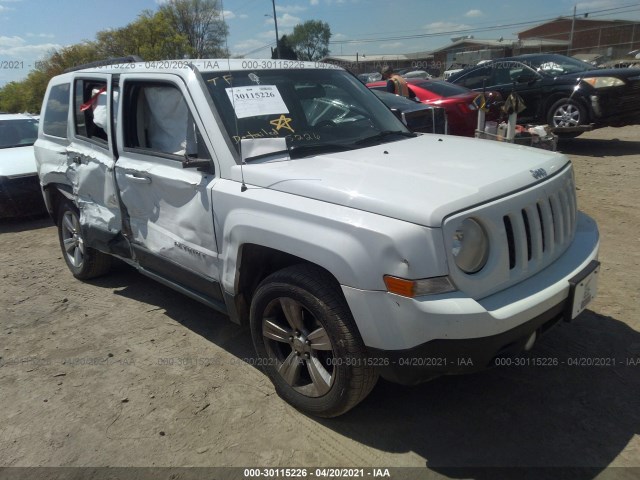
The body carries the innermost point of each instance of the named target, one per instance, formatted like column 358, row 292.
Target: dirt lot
column 122, row 371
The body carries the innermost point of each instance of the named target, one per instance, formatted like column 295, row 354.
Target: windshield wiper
column 378, row 137
column 297, row 151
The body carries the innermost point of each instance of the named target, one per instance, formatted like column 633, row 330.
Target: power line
column 625, row 9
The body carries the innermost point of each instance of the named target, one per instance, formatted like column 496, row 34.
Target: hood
column 17, row 161
column 419, row 180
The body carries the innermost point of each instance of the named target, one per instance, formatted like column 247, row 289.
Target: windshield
column 18, row 133
column 316, row 110
column 558, row 65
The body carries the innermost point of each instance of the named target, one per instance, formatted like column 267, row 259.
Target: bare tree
column 200, row 21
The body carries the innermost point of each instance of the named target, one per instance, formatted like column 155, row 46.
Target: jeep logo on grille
column 539, row 173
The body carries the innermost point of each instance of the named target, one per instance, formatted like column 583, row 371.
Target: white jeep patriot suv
column 286, row 195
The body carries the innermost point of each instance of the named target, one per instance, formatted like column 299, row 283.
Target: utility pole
column 573, row 26
column 275, row 21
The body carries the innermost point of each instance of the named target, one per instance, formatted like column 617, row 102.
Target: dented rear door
column 90, row 157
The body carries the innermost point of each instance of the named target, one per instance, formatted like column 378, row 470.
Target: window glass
column 157, row 118
column 57, row 111
column 475, row 78
column 91, row 119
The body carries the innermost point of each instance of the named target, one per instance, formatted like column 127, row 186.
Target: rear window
column 56, row 111
column 444, row 89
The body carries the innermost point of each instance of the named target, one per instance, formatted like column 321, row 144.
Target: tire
column 567, row 113
column 84, row 262
column 307, row 342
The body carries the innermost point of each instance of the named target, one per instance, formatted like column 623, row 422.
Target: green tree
column 310, row 40
column 200, row 21
column 150, row 37
column 286, row 52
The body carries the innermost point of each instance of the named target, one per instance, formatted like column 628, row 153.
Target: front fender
column 357, row 247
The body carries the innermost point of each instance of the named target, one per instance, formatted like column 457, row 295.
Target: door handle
column 137, row 178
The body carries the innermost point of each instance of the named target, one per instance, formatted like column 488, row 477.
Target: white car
column 288, row 196
column 19, row 185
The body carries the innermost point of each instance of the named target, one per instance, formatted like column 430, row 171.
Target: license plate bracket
column 582, row 289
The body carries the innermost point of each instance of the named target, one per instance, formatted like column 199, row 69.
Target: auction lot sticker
column 256, row 100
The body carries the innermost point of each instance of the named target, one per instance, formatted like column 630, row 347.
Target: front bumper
column 20, row 196
column 450, row 357
column 443, row 331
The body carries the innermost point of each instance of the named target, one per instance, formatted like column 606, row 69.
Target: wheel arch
column 255, row 262
column 54, row 194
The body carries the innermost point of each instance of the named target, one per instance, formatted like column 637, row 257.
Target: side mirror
column 192, row 162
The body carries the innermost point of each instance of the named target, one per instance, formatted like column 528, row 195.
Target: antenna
column 243, row 187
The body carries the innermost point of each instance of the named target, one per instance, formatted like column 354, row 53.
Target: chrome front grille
column 539, row 229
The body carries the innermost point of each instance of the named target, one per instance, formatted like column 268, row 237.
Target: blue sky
column 31, row 28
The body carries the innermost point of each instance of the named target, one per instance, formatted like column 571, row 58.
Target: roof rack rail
column 104, row 63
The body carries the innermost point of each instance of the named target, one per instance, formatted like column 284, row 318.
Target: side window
column 90, row 113
column 56, row 111
column 507, row 72
column 475, row 78
column 157, row 118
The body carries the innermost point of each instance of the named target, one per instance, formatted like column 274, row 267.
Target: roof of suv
column 203, row 65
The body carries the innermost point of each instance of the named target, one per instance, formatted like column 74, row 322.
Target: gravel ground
column 121, row 371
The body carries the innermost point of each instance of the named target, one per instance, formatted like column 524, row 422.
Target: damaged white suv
column 286, row 195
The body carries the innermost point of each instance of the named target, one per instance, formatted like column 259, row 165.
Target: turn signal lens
column 417, row 288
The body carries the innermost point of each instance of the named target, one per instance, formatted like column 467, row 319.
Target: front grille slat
column 558, row 218
column 547, row 222
column 537, row 233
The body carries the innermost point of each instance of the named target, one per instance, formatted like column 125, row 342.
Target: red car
column 462, row 114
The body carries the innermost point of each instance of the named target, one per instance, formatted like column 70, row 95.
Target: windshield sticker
column 254, row 78
column 256, row 101
column 226, row 78
column 282, row 122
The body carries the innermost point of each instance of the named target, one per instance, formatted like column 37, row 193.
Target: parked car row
column 565, row 93
column 457, row 101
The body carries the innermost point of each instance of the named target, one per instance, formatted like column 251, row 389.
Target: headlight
column 470, row 247
column 603, row 82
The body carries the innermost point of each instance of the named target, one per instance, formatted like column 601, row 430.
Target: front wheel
column 84, row 262
column 307, row 342
column 566, row 113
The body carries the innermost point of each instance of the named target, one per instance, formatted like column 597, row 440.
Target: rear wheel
column 307, row 342
column 84, row 262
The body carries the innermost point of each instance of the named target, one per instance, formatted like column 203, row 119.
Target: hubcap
column 567, row 115
column 72, row 239
column 298, row 346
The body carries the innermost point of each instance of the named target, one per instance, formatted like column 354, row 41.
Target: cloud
column 290, row 8
column 17, row 47
column 474, row 13
column 40, row 35
column 314, row 2
column 442, row 27
column 339, row 36
column 394, row 45
column 288, row 20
